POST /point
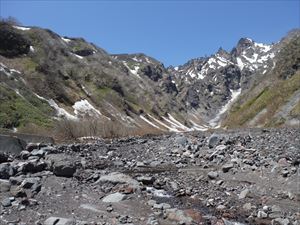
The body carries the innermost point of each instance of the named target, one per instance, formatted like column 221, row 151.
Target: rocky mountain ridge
column 45, row 76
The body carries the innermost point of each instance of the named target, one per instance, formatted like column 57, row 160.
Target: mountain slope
column 275, row 98
column 44, row 77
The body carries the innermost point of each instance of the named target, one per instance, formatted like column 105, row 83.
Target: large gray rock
column 11, row 144
column 3, row 157
column 227, row 167
column 115, row 197
column 118, row 178
column 213, row 175
column 181, row 141
column 30, row 182
column 6, row 171
column 4, row 185
column 64, row 169
column 61, row 165
column 213, row 140
column 244, row 193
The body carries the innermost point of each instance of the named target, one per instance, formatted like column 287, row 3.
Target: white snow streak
column 22, row 28
column 83, row 107
column 66, row 40
column 214, row 123
column 149, row 122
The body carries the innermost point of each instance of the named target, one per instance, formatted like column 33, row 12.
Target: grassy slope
column 17, row 112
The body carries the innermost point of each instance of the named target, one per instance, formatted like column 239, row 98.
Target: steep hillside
column 45, row 77
column 275, row 98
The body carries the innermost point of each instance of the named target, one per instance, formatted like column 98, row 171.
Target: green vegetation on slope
column 17, row 112
column 273, row 91
column 271, row 98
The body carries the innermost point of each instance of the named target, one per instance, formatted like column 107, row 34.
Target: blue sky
column 170, row 31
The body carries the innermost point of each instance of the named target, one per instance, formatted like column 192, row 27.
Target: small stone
column 213, row 140
column 3, row 157
column 6, row 202
column 285, row 173
column 227, row 167
column 24, row 154
column 115, row 197
column 213, row 175
column 247, row 206
column 6, row 171
column 109, row 209
column 244, row 193
column 31, row 146
column 29, row 182
column 146, row 180
column 262, row 214
column 4, row 185
column 18, row 192
column 266, row 208
column 221, row 207
column 58, row 221
column 39, row 153
column 151, row 202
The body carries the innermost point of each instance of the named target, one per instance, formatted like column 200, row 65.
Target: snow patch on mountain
column 83, row 107
column 215, row 122
column 22, row 28
column 149, row 122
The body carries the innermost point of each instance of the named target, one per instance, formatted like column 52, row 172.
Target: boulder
column 6, row 171
column 227, row 167
column 11, row 144
column 3, row 157
column 244, row 193
column 115, row 197
column 4, row 185
column 61, row 165
column 213, row 175
column 118, row 178
column 213, row 140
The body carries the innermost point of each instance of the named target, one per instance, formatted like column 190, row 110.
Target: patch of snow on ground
column 22, row 28
column 15, row 71
column 84, row 107
column 66, row 39
column 136, row 59
column 78, row 56
column 214, row 123
column 60, row 111
column 149, row 122
column 40, row 97
column 133, row 71
column 163, row 124
column 8, row 72
column 177, row 122
column 198, row 127
column 31, row 48
column 176, row 68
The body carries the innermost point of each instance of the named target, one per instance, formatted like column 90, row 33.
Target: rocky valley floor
column 221, row 178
